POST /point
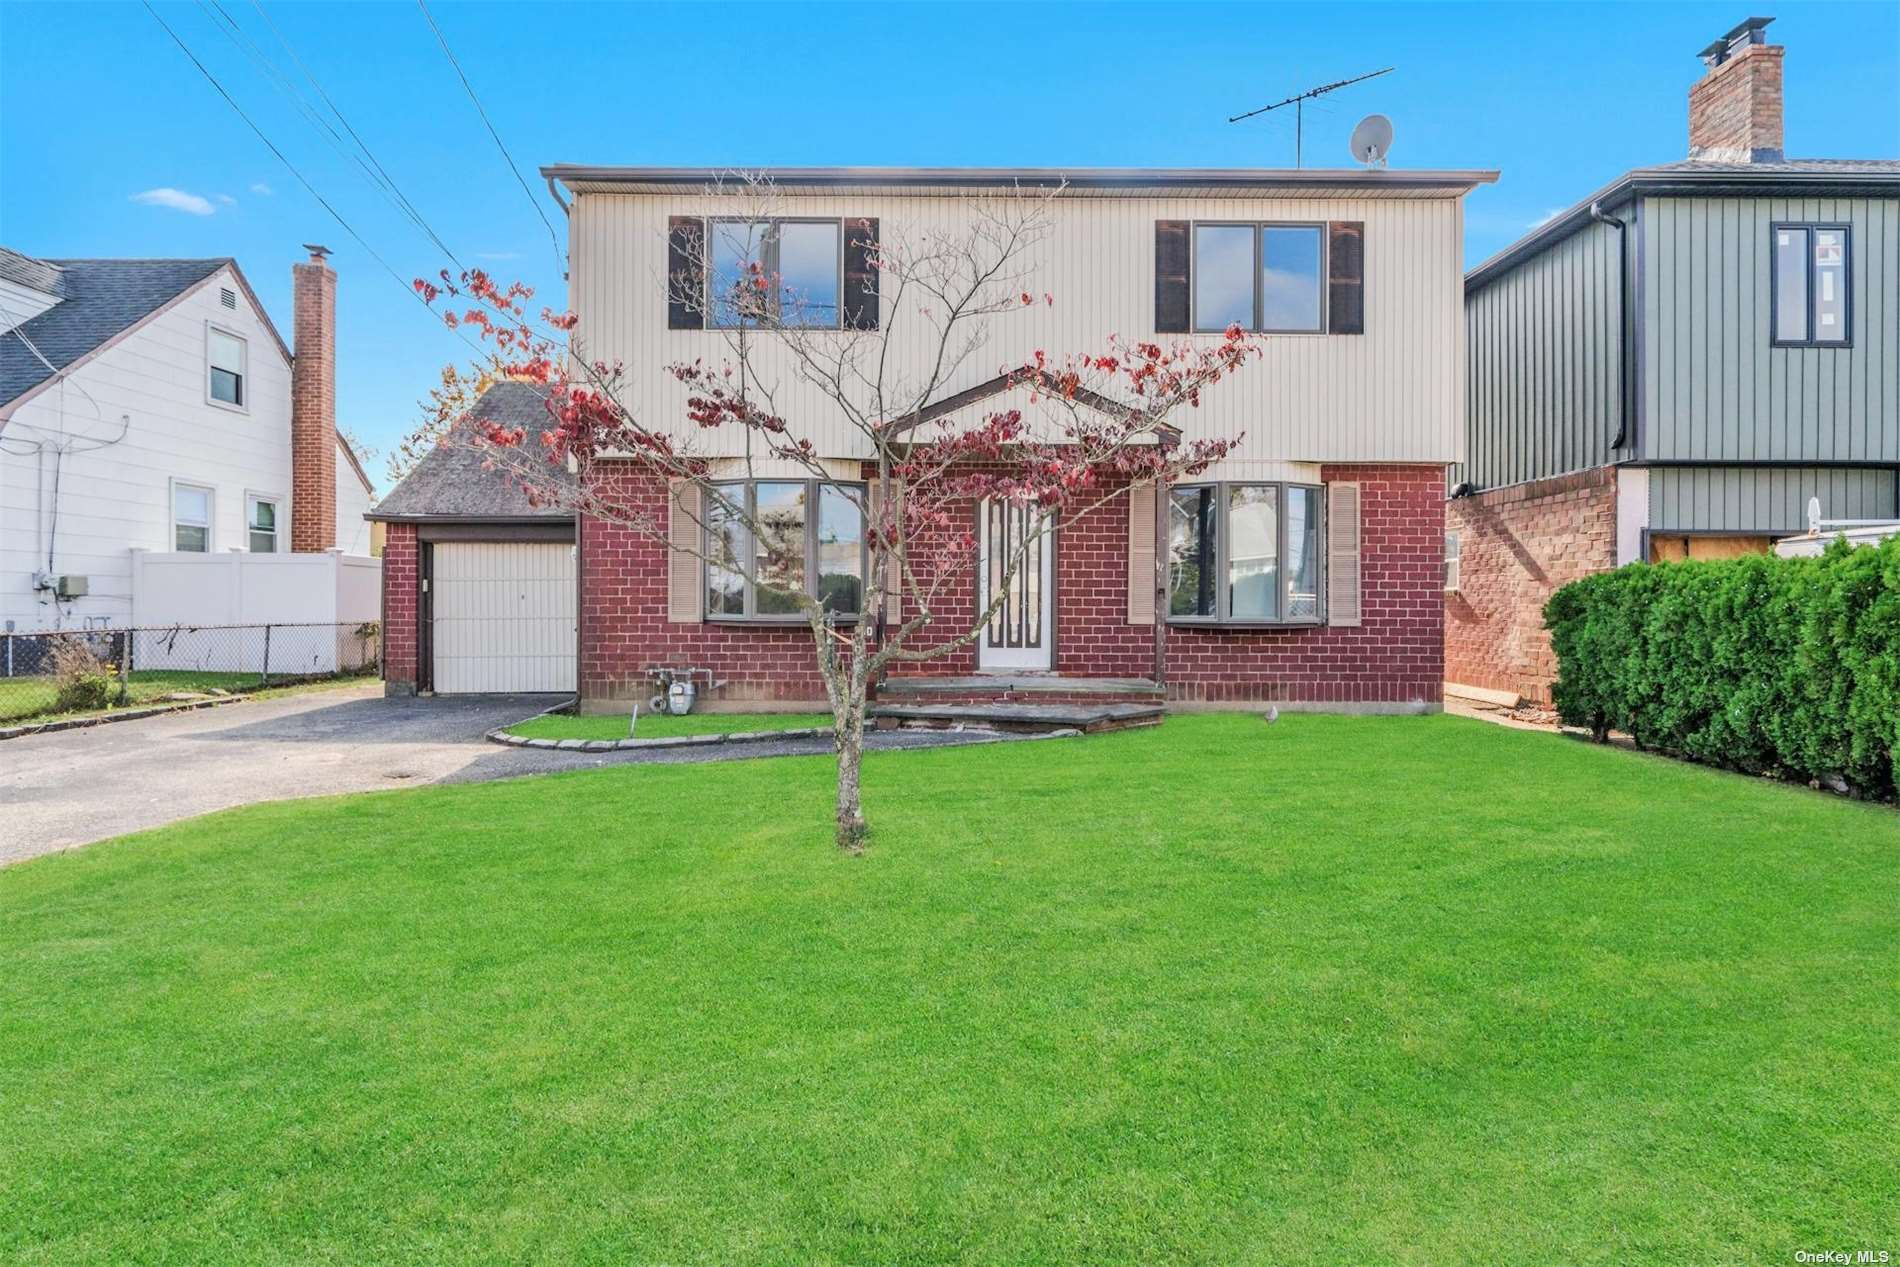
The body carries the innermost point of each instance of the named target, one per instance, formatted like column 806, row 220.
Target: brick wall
column 1394, row 657
column 313, row 407
column 1735, row 109
column 399, row 609
column 1516, row 546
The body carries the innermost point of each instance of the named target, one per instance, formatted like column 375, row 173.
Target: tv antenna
column 1298, row 102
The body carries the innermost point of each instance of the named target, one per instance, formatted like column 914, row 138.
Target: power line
column 553, row 238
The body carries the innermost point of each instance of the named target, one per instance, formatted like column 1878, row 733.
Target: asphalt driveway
column 77, row 786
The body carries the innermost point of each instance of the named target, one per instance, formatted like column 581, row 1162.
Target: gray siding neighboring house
column 1672, row 368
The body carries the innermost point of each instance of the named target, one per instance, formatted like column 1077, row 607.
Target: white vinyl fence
column 186, row 592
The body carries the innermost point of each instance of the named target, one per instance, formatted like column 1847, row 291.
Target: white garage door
column 504, row 617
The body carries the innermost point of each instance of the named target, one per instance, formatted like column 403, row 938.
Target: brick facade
column 1735, row 109
column 400, row 598
column 1516, row 546
column 313, row 407
column 1394, row 658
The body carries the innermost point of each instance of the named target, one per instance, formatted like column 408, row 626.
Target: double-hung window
column 260, row 520
column 1812, row 299
column 225, row 367
column 809, row 540
column 786, row 273
column 1265, row 277
column 1246, row 554
column 191, row 518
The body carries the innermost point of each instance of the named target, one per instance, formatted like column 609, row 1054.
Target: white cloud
column 177, row 200
column 1548, row 216
column 261, row 189
column 225, row 200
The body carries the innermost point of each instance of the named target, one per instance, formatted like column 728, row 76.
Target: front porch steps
column 1089, row 718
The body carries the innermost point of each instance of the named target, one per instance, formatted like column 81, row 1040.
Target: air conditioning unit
column 70, row 586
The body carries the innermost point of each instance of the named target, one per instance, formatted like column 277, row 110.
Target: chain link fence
column 73, row 671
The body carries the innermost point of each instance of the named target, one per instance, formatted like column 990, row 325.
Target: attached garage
column 503, row 616
column 480, row 592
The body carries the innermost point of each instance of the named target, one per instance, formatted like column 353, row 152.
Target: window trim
column 251, row 498
column 1454, row 562
column 813, row 490
column 1846, row 231
column 211, row 514
column 244, row 375
column 1259, row 228
column 770, row 265
column 1222, row 585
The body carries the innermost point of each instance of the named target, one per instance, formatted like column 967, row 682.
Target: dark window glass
column 1791, row 285
column 1302, row 553
column 1191, row 566
column 227, row 387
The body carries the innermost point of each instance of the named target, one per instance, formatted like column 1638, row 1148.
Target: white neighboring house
column 150, row 405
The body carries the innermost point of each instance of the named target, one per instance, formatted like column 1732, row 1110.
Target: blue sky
column 97, row 105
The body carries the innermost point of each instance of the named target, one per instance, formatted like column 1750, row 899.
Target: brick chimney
column 313, row 405
column 1735, row 109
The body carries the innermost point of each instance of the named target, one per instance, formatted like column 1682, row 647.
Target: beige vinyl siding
column 1394, row 394
column 1769, row 500
column 1715, row 388
column 503, row 617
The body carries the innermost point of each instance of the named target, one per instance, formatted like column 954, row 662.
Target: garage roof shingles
column 451, row 483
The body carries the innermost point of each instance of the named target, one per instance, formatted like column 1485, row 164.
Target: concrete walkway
column 76, row 786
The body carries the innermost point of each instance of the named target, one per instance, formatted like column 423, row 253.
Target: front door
column 1021, row 632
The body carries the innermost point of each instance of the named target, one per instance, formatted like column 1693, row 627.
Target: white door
column 504, row 617
column 1021, row 633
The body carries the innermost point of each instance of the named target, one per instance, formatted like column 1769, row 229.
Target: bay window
column 809, row 539
column 1245, row 554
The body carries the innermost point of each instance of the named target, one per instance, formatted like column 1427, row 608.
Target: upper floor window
column 1266, row 277
column 1811, row 295
column 778, row 272
column 810, row 540
column 191, row 518
column 225, row 354
column 1244, row 553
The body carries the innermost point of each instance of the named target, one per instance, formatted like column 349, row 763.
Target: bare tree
column 1056, row 437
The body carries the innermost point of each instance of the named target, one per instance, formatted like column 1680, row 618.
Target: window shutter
column 1346, row 277
column 893, row 573
column 1141, row 554
column 860, row 274
column 1171, row 276
column 685, row 593
column 685, row 273
column 1342, row 554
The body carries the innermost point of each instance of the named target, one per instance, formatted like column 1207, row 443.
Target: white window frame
column 276, row 500
column 211, row 514
column 1454, row 557
column 244, row 374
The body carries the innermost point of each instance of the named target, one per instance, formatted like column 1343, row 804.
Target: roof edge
column 1038, row 177
column 557, row 516
column 1636, row 184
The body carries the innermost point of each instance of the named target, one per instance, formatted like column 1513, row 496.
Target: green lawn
column 1335, row 990
column 661, row 725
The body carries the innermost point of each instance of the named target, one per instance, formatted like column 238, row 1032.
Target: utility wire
column 553, row 238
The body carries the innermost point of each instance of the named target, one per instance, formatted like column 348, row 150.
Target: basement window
column 226, row 356
column 810, row 541
column 1244, row 554
column 1812, row 290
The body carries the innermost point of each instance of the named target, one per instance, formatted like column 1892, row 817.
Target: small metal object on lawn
column 1273, row 713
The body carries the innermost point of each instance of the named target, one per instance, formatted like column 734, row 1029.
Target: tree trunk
column 848, row 731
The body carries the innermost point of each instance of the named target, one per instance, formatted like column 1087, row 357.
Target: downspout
column 1622, row 322
column 556, row 195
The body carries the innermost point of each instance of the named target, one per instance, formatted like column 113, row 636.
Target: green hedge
column 1789, row 666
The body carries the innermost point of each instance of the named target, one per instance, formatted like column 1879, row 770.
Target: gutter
column 1622, row 321
column 1131, row 178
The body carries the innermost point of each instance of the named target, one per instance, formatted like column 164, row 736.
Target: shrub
column 1789, row 666
column 82, row 681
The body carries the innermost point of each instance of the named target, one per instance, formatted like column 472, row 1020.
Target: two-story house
column 150, row 405
column 1673, row 368
column 1304, row 569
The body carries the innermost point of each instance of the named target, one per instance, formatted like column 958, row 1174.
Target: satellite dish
column 1372, row 140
